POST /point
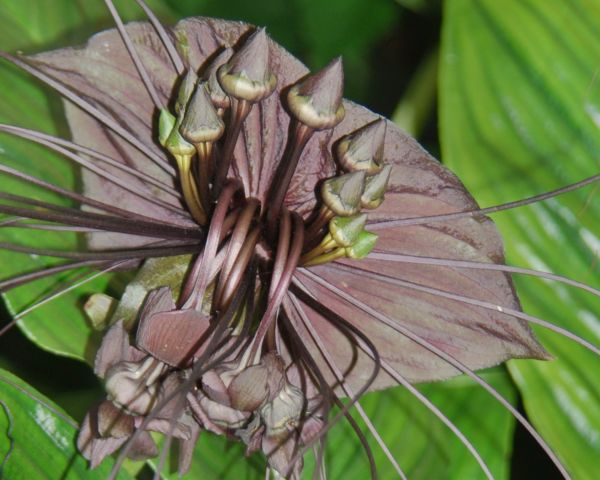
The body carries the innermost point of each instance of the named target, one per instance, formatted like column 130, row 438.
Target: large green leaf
column 519, row 116
column 37, row 438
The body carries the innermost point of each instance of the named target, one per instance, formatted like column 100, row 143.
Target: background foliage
column 518, row 114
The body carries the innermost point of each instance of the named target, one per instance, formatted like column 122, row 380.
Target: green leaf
column 422, row 445
column 519, row 116
column 37, row 439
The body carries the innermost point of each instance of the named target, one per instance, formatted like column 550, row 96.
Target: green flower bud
column 188, row 84
column 342, row 194
column 166, row 123
column 345, row 230
column 363, row 149
column 363, row 245
column 316, row 101
column 201, row 123
column 247, row 76
column 375, row 188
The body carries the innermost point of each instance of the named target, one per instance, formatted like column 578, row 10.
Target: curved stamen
column 211, row 245
column 482, row 211
column 279, row 292
column 240, row 109
column 239, row 267
column 238, row 238
column 444, row 262
column 444, row 356
column 283, row 247
column 285, row 172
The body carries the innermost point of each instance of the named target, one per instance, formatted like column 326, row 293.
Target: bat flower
column 298, row 247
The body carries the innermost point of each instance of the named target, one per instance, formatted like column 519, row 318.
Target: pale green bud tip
column 375, row 188
column 342, row 194
column 177, row 145
column 185, row 90
column 363, row 245
column 247, row 75
column 363, row 149
column 316, row 101
column 166, row 123
column 201, row 123
column 345, row 230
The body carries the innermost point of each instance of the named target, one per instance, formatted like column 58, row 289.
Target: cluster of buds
column 152, row 385
column 361, row 187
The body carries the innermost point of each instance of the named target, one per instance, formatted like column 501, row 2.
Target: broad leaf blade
column 37, row 439
column 518, row 117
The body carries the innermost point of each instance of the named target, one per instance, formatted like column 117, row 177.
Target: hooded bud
column 166, row 123
column 282, row 414
column 342, row 194
column 363, row 149
column 98, row 308
column 363, row 245
column 375, row 188
column 218, row 97
column 247, row 75
column 113, row 422
column 201, row 123
column 345, row 230
column 132, row 385
column 316, row 101
column 176, row 144
column 188, row 84
column 249, row 389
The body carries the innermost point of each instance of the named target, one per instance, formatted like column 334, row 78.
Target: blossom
column 292, row 202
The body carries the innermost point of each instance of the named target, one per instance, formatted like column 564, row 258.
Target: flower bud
column 363, row 149
column 166, row 123
column 201, row 123
column 282, row 414
column 185, row 91
column 177, row 145
column 132, row 385
column 316, row 101
column 375, row 188
column 98, row 309
column 342, row 194
column 218, row 97
column 345, row 230
column 247, row 76
column 363, row 245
